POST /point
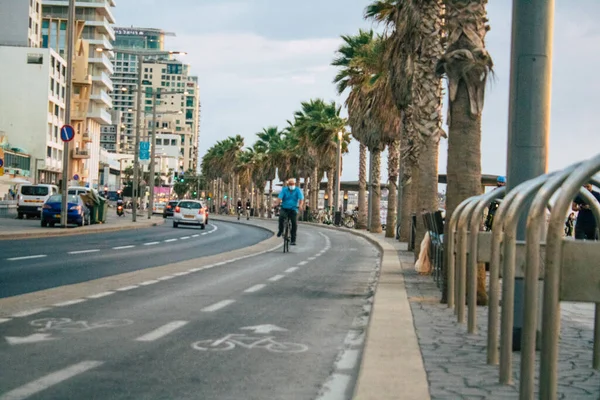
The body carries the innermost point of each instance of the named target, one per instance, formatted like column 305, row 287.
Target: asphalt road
column 273, row 326
column 30, row 265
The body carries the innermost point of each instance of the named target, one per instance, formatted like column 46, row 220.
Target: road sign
column 75, row 177
column 67, row 133
column 144, row 151
column 1, row 162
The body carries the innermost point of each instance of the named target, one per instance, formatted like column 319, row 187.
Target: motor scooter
column 120, row 210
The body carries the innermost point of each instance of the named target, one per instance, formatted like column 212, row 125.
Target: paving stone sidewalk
column 456, row 361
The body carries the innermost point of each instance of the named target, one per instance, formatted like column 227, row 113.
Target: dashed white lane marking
column 182, row 273
column 170, row 240
column 290, row 270
column 335, row 388
column 123, row 247
column 184, row 237
column 312, row 258
column 49, row 380
column 205, row 233
column 29, row 312
column 100, row 295
column 217, row 306
column 151, row 243
column 276, row 278
column 4, row 320
column 195, row 236
column 26, row 257
column 151, row 282
column 162, row 331
column 126, row 288
column 301, row 263
column 196, row 269
column 69, row 303
column 348, row 360
column 166, row 278
column 255, row 288
column 83, row 251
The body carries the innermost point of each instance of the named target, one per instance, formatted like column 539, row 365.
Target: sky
column 258, row 59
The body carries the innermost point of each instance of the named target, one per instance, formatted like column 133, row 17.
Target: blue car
column 77, row 214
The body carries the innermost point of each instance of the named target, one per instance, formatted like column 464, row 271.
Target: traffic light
column 195, row 193
column 182, row 179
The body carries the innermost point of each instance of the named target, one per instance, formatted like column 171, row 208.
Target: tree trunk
column 314, row 188
column 393, row 166
column 376, row 190
column 427, row 187
column 330, row 182
column 464, row 164
column 362, row 188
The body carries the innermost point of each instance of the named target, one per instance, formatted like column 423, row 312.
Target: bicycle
column 232, row 340
column 287, row 231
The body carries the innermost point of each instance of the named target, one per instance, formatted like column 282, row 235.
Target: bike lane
column 278, row 341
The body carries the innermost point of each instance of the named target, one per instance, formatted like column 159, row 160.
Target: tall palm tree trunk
column 270, row 199
column 362, row 188
column 393, row 166
column 306, row 191
column 314, row 187
column 376, row 191
column 330, row 181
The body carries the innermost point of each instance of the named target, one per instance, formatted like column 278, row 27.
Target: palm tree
column 466, row 65
column 413, row 48
column 269, row 141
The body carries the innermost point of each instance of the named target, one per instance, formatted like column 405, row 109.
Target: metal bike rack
column 450, row 249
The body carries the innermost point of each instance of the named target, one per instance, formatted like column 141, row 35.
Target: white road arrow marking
column 264, row 328
column 36, row 337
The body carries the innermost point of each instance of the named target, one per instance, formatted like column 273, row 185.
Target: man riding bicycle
column 290, row 198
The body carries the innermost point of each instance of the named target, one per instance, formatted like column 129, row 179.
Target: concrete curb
column 392, row 365
column 102, row 228
column 46, row 298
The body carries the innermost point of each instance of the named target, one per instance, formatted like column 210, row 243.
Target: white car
column 158, row 208
column 189, row 212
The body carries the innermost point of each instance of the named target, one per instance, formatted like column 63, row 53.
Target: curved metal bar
column 474, row 226
column 536, row 222
column 494, row 290
column 461, row 258
column 551, row 305
column 449, row 248
column 524, row 192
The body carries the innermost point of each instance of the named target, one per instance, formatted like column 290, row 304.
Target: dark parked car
column 77, row 213
column 170, row 208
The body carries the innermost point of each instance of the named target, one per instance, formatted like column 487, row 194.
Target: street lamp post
column 338, row 167
column 69, row 78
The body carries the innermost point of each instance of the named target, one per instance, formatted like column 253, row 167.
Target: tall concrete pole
column 69, row 89
column 152, row 153
column 529, row 109
column 136, row 150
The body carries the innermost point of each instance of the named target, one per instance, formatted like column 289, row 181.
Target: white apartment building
column 99, row 33
column 32, row 105
column 20, row 23
column 167, row 157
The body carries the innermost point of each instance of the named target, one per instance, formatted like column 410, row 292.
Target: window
column 173, row 142
column 63, row 92
column 35, row 59
column 159, row 142
column 49, row 152
column 56, row 110
column 52, row 85
column 55, row 133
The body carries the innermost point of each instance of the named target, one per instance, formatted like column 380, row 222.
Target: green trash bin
column 102, row 208
column 94, row 214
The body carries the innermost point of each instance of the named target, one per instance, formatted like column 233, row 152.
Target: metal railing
column 568, row 269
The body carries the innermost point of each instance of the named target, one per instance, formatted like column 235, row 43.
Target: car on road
column 170, row 208
column 31, row 198
column 77, row 213
column 189, row 212
column 159, row 208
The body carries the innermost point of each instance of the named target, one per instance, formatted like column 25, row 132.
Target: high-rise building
column 20, row 23
column 32, row 105
column 98, row 33
column 126, row 75
column 110, row 134
column 173, row 76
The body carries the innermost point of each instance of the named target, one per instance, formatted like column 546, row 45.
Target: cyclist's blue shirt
column 290, row 198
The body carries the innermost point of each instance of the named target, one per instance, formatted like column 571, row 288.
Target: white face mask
column 292, row 187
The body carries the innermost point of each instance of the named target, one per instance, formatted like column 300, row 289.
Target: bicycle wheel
column 286, row 347
column 206, row 345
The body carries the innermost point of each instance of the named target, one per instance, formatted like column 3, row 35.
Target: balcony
column 100, row 115
column 104, row 79
column 102, row 97
column 103, row 7
column 86, row 137
column 103, row 26
column 80, row 154
column 99, row 41
column 102, row 59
